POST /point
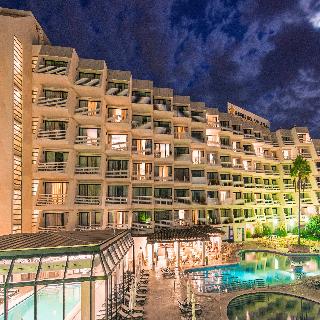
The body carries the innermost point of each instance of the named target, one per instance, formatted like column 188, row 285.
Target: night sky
column 263, row 55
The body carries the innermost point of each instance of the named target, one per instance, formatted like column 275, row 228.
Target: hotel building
column 86, row 147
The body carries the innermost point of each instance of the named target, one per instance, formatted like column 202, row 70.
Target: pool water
column 49, row 304
column 256, row 269
column 272, row 306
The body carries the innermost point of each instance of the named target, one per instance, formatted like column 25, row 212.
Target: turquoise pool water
column 256, row 269
column 272, row 306
column 50, row 304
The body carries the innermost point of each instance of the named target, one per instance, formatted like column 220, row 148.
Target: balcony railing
column 141, row 151
column 199, row 180
column 141, row 125
column 182, row 157
column 89, row 227
column 288, row 142
column 161, row 107
column 52, row 229
column 92, row 200
column 213, row 124
column 113, row 225
column 88, row 82
column 86, row 112
column 142, row 200
column 89, row 141
column 181, row 135
column 119, row 146
column 52, row 102
column 163, row 201
column 52, row 134
column 87, row 170
column 199, row 160
column 184, row 113
column 120, row 174
column 163, row 179
column 181, row 178
column 52, row 166
column 159, row 154
column 142, row 177
column 162, row 130
column 48, row 198
column 182, row 200
column 116, row 200
column 52, row 69
column 142, row 227
column 117, row 119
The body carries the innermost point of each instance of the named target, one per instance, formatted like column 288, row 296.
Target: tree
column 300, row 171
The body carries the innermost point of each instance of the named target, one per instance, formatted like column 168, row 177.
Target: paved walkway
column 162, row 298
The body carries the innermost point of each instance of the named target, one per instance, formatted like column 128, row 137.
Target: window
column 89, row 161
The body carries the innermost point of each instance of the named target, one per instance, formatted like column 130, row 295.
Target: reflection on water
column 272, row 306
column 256, row 269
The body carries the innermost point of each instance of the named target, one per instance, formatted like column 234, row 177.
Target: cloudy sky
column 263, row 55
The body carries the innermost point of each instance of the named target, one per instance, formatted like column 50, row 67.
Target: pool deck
column 164, row 294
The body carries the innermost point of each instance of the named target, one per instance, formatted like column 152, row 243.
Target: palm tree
column 300, row 171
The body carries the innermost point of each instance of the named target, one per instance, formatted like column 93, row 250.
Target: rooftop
column 23, row 244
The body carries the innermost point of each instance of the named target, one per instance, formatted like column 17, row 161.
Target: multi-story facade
column 111, row 150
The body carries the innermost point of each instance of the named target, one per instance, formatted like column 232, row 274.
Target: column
column 203, row 253
column 88, row 300
column 178, row 255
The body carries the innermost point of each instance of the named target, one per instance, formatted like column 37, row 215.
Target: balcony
column 142, row 151
column 181, row 135
column 142, row 177
column 226, row 146
column 163, row 179
column 213, row 124
column 90, row 108
column 87, row 170
column 182, row 200
column 52, row 134
column 305, row 154
column 199, row 180
column 181, row 112
column 163, row 201
column 162, row 130
column 118, row 146
column 57, row 102
column 57, row 67
column 142, row 200
column 117, row 174
column 249, row 136
column 226, row 164
column 140, row 123
column 52, row 166
column 51, row 199
column 116, row 200
column 249, row 151
column 199, row 160
column 198, row 138
column 142, row 228
column 141, row 97
column 88, row 79
column 306, row 200
column 91, row 200
column 89, row 141
column 287, row 141
column 182, row 157
column 117, row 89
column 161, row 107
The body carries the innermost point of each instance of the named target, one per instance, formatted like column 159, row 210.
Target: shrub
column 266, row 230
column 248, row 234
column 312, row 228
column 281, row 231
column 258, row 230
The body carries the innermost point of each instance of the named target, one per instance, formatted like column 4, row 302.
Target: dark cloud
column 260, row 54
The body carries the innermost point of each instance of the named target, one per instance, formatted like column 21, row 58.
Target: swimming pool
column 256, row 269
column 49, row 303
column 272, row 306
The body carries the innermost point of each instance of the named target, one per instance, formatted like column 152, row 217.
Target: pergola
column 184, row 234
column 177, row 235
column 40, row 259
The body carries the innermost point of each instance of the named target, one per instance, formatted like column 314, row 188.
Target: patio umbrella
column 193, row 307
column 188, row 291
